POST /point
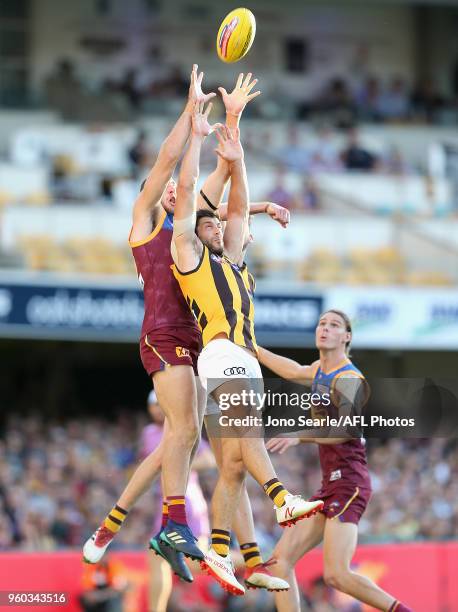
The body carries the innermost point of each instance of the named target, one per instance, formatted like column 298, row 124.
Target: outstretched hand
column 200, row 125
column 195, row 87
column 239, row 97
column 229, row 145
column 278, row 213
column 280, row 445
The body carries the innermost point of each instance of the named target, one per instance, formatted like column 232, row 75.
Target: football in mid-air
column 236, row 35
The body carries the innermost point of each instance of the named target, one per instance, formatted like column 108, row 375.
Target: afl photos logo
column 235, row 371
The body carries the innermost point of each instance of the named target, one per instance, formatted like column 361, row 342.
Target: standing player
column 209, row 274
column 168, row 319
column 345, row 488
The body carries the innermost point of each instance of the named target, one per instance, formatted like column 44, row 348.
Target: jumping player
column 169, row 345
column 169, row 323
column 160, row 582
column 346, row 486
column 209, row 273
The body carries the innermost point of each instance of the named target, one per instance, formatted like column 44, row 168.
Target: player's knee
column 233, row 468
column 336, row 578
column 185, row 436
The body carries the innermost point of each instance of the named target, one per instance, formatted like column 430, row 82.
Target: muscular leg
column 176, row 392
column 144, row 476
column 294, row 544
column 243, row 518
column 226, row 496
column 339, row 546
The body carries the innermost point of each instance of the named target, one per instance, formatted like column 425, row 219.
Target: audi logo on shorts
column 235, row 371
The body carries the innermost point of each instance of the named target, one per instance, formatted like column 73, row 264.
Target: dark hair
column 346, row 320
column 202, row 214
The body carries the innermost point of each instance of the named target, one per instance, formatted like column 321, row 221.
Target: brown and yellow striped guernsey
column 220, row 294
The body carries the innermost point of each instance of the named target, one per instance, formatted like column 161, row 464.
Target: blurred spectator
column 368, row 100
column 279, row 193
column 394, row 102
column 337, row 103
column 139, row 154
column 324, row 156
column 426, row 101
column 103, row 586
column 173, row 85
column 294, row 156
column 308, row 198
column 63, row 89
column 129, row 87
column 394, row 163
column 355, row 156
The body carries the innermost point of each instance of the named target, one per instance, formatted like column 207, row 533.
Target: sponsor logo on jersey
column 235, row 371
column 182, row 352
column 335, row 475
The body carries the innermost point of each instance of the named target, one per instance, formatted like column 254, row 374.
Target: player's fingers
column 217, row 127
column 247, row 79
column 222, row 91
column 236, row 134
column 254, row 95
column 218, row 134
column 273, row 445
column 251, row 85
column 199, row 78
column 209, row 96
column 239, row 80
column 209, row 107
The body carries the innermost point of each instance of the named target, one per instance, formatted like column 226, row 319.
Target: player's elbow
column 168, row 155
column 186, row 186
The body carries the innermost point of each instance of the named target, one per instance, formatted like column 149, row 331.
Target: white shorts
column 223, row 360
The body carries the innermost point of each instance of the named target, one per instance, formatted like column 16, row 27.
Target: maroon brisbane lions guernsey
column 345, row 487
column 169, row 335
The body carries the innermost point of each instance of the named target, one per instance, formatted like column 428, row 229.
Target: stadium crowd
column 57, row 481
column 341, row 99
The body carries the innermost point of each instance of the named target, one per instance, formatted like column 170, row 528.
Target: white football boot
column 96, row 545
column 295, row 509
column 222, row 570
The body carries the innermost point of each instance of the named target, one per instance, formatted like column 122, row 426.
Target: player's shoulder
column 315, row 366
column 353, row 371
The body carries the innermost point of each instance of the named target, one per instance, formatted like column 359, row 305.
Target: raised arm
column 277, row 213
column 186, row 247
column 169, row 154
column 285, row 367
column 237, row 211
column 213, row 189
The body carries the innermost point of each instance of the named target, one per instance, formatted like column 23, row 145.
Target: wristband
column 207, row 201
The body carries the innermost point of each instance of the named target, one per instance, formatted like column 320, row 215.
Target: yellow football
column 236, row 35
